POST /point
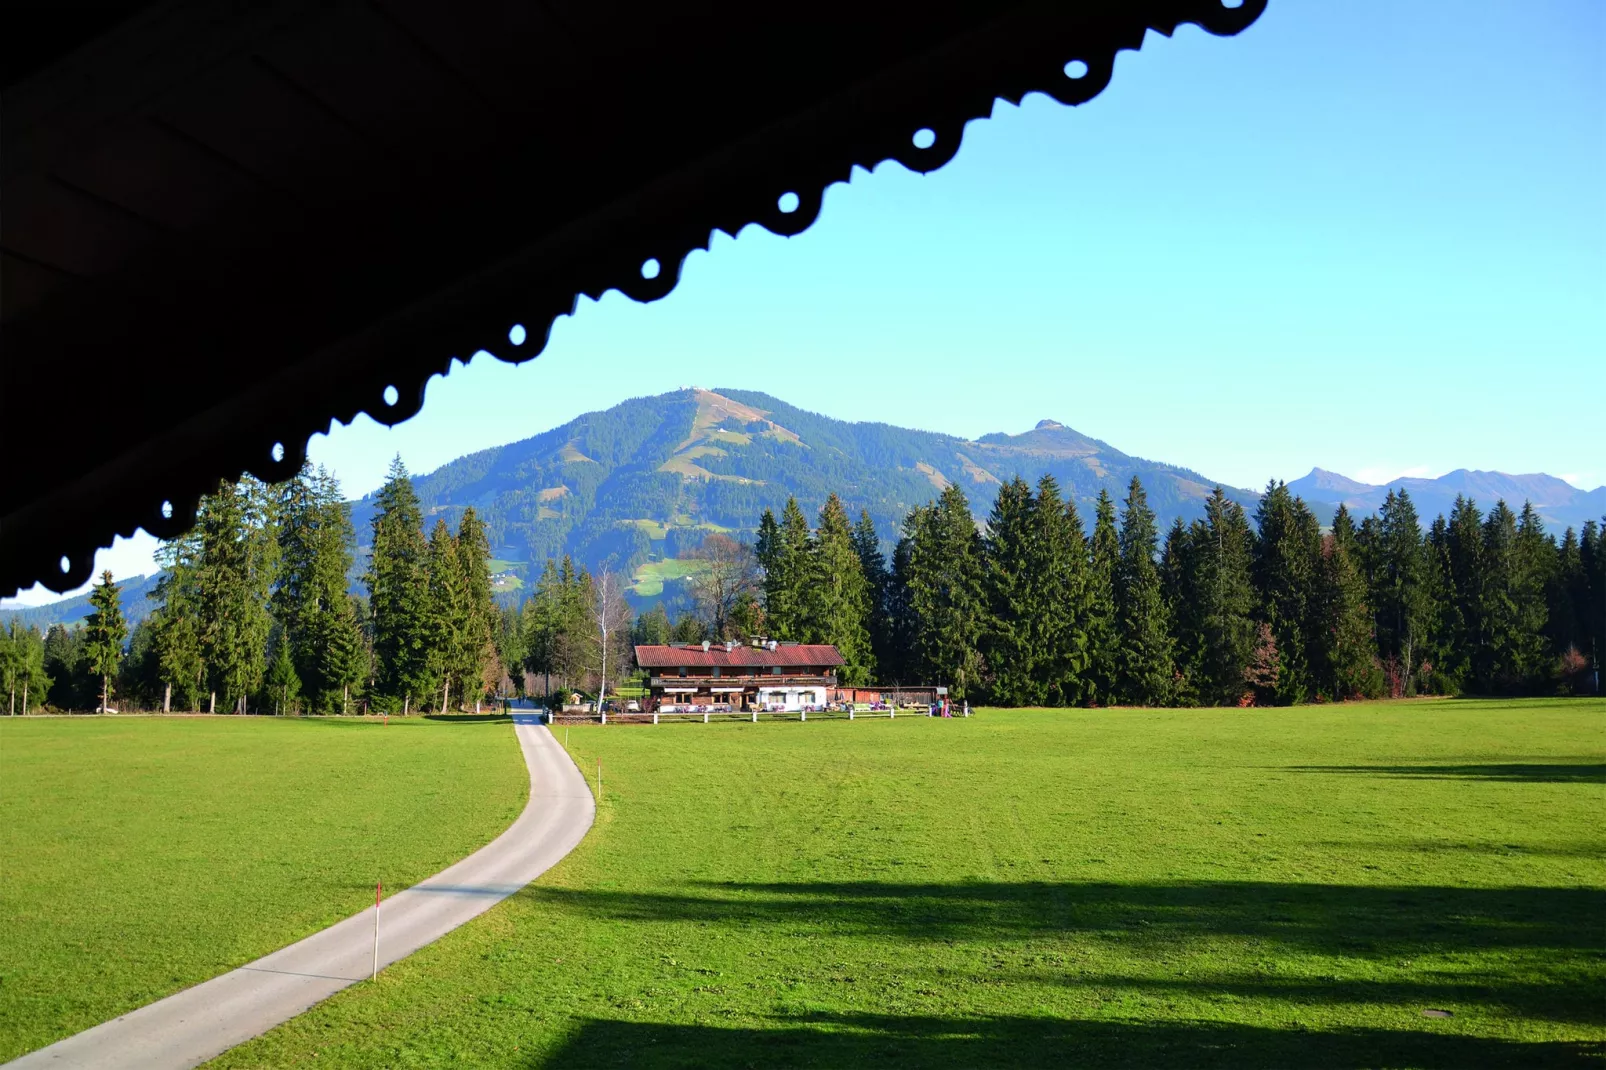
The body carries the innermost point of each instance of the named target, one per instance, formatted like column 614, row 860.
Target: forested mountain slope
column 652, row 476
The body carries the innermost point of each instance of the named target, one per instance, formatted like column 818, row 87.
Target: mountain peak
column 1049, row 425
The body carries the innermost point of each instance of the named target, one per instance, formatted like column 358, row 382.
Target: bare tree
column 610, row 624
column 728, row 576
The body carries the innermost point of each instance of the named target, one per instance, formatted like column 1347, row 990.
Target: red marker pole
column 379, row 891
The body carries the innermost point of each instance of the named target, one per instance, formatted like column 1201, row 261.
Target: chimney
column 705, row 646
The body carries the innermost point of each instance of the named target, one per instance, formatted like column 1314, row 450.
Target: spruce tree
column 1564, row 628
column 1286, row 553
column 1399, row 596
column 1058, row 629
column 1225, row 560
column 1534, row 567
column 282, row 682
column 1144, row 665
column 867, row 544
column 233, row 578
column 104, row 633
column 1349, row 654
column 479, row 649
column 652, row 627
column 946, row 597
column 901, row 664
column 450, row 649
column 1103, row 637
column 836, row 595
column 1591, row 595
column 1185, row 608
column 1014, row 599
column 180, row 661
column 399, row 596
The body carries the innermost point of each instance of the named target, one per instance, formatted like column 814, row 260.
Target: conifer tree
column 1103, row 636
column 179, row 660
column 234, row 574
column 1465, row 575
column 479, row 647
column 310, row 598
column 1224, row 558
column 837, row 597
column 1564, row 627
column 398, row 581
column 945, row 591
column 104, row 633
column 901, row 664
column 652, row 627
column 452, row 658
column 867, row 544
column 1012, row 591
column 1144, row 666
column 1399, row 596
column 1058, row 628
column 22, row 660
column 1179, row 582
column 1591, row 595
column 1350, row 655
column 786, row 576
column 1534, row 566
column 283, row 685
column 1285, row 556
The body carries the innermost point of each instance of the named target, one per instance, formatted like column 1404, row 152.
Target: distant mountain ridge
column 1558, row 502
column 636, row 485
column 650, row 477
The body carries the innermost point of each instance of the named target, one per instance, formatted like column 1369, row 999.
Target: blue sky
column 1367, row 236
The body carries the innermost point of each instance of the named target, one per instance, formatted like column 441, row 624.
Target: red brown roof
column 786, row 656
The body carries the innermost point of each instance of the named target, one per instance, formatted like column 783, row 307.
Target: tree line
column 255, row 613
column 1031, row 609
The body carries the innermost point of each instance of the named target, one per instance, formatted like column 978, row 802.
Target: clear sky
column 1367, row 236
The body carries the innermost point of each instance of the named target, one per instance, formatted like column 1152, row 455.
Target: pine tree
column 1145, row 668
column 1058, row 629
column 478, row 652
column 283, row 685
column 1013, row 596
column 22, row 656
column 1103, row 637
column 1534, row 567
column 1225, row 589
column 901, row 664
column 945, row 591
column 1286, row 554
column 1591, row 595
column 1397, row 591
column 104, row 633
column 451, row 659
column 310, row 599
column 867, row 544
column 652, row 627
column 234, row 573
column 1179, row 589
column 837, row 597
column 1565, row 628
column 785, row 559
column 1349, row 654
column 399, row 596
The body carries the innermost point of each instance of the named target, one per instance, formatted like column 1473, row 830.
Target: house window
column 683, row 670
column 775, row 670
column 716, row 672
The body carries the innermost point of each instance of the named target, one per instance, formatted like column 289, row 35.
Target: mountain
column 1558, row 502
column 648, row 479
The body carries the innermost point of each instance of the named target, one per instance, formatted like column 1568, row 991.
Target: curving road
column 199, row 1023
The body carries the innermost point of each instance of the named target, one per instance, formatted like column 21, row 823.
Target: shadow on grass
column 1541, row 946
column 887, row 1041
column 469, row 718
column 1357, row 920
column 1514, row 773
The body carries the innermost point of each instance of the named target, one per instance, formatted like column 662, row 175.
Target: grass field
column 651, row 575
column 1188, row 888
column 141, row 855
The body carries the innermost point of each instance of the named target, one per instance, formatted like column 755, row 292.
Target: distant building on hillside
column 759, row 675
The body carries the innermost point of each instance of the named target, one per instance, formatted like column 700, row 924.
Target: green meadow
column 142, row 855
column 1170, row 888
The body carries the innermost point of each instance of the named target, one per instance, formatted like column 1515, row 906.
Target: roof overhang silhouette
column 226, row 226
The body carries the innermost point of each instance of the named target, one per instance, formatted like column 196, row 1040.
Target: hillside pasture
column 142, row 855
column 1201, row 888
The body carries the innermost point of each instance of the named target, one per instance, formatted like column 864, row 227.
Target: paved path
column 199, row 1023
